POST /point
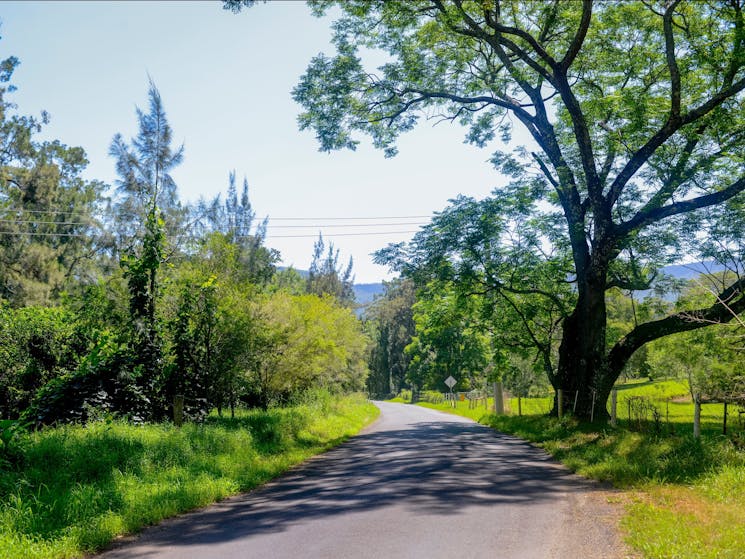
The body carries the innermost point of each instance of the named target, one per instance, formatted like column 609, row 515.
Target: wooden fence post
column 697, row 416
column 560, row 400
column 724, row 425
column 613, row 407
column 178, row 410
column 498, row 399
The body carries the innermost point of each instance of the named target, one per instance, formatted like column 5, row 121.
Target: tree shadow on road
column 434, row 468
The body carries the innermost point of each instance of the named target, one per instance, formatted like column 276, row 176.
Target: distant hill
column 364, row 293
column 690, row 271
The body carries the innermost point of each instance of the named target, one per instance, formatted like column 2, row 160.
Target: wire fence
column 673, row 414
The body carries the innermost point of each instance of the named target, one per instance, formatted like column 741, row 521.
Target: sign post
column 450, row 381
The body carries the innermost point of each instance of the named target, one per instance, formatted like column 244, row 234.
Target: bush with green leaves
column 36, row 345
column 104, row 382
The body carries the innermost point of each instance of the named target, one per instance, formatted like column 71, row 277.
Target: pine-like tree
column 327, row 277
column 145, row 184
column 144, row 168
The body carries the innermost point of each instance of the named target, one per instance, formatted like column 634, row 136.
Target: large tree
column 235, row 219
column 144, row 167
column 326, row 276
column 146, row 188
column 49, row 227
column 635, row 110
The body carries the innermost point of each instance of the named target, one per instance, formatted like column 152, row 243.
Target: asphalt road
column 416, row 484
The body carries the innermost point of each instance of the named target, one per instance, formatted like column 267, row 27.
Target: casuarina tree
column 145, row 184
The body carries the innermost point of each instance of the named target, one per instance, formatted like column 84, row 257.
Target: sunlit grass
column 78, row 487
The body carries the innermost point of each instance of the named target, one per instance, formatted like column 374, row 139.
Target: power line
column 313, row 236
column 341, row 235
column 33, row 234
column 44, row 212
column 332, row 218
column 348, row 218
column 269, row 227
column 345, row 225
column 17, row 222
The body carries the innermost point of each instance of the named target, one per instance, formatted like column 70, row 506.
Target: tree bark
column 588, row 368
column 582, row 371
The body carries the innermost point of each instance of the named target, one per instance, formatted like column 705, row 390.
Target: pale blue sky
column 225, row 81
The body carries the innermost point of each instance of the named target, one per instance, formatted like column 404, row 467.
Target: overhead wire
column 304, row 218
column 341, row 235
column 286, row 223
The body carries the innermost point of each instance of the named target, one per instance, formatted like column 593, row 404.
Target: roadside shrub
column 104, row 382
column 11, row 452
column 640, row 410
column 36, row 345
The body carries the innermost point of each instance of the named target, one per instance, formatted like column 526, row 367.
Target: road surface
column 415, row 484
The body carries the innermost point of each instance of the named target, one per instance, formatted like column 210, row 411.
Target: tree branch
column 545, row 170
column 671, row 126
column 672, row 63
column 522, row 34
column 579, row 38
column 509, row 105
column 729, row 303
column 652, row 215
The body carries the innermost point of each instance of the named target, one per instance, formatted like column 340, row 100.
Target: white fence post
column 592, row 409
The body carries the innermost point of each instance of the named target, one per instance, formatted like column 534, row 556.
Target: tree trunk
column 583, row 372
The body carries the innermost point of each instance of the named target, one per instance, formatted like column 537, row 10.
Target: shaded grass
column 684, row 497
column 78, row 487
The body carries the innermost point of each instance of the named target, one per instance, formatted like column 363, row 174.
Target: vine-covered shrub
column 104, row 382
column 37, row 345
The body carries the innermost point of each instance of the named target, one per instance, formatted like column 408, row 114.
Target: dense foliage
column 122, row 306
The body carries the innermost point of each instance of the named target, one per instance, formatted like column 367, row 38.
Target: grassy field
column 684, row 497
column 73, row 489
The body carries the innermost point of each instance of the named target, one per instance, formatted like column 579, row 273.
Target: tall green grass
column 76, row 488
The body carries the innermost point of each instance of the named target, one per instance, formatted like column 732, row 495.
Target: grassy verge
column 76, row 488
column 685, row 498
